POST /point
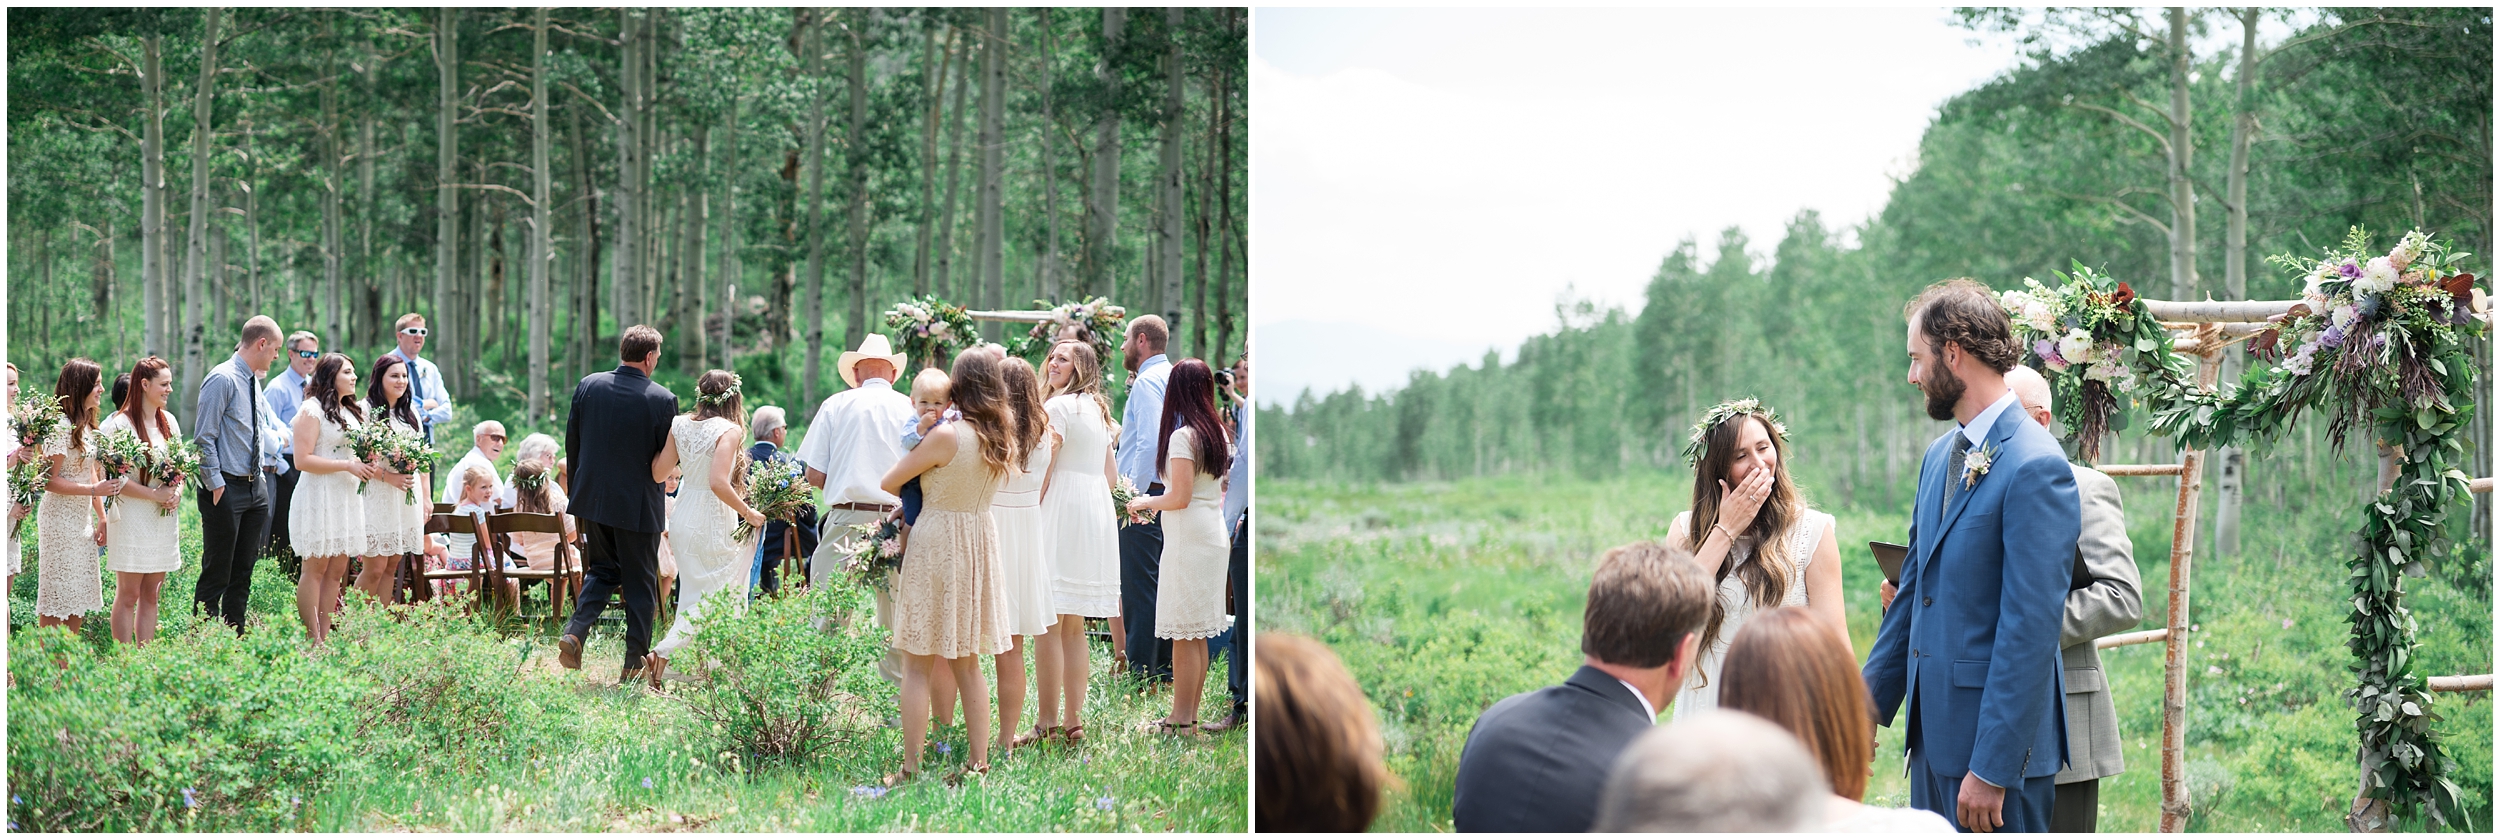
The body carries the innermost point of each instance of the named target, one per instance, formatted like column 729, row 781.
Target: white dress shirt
column 1977, row 429
column 475, row 458
column 852, row 441
column 1644, row 698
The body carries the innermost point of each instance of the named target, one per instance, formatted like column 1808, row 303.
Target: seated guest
column 537, row 492
column 1788, row 668
column 1535, row 761
column 1714, row 771
column 1319, row 745
column 771, row 427
column 476, row 488
column 486, row 444
column 538, row 446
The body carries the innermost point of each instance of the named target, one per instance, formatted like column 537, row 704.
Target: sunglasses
column 308, row 354
column 415, row 331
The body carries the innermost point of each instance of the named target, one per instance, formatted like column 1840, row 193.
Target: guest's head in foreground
column 1960, row 339
column 2033, row 390
column 1024, row 391
column 1788, row 668
column 1713, row 771
column 1646, row 607
column 1319, row 744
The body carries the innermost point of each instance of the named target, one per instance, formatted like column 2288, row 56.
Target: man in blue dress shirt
column 1141, row 545
column 433, row 402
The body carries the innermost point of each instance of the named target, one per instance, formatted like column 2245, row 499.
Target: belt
column 231, row 478
column 860, row 506
column 1154, row 489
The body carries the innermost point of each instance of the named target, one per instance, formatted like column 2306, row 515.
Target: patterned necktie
column 1953, row 473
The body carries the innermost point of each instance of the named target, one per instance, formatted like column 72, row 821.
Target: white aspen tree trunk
column 856, row 156
column 933, row 91
column 942, row 280
column 586, row 262
column 815, row 315
column 693, row 289
column 367, row 270
column 991, row 242
column 195, row 258
column 2182, row 152
column 1226, row 238
column 334, row 194
column 1050, row 166
column 1168, row 181
column 446, row 173
column 155, row 335
column 540, row 315
column 728, row 276
column 1103, row 212
column 627, row 285
column 2233, row 461
column 1201, row 219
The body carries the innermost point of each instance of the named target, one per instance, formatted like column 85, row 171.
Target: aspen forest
column 1439, row 535
column 760, row 184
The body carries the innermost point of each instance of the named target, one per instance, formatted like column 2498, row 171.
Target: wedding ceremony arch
column 2096, row 340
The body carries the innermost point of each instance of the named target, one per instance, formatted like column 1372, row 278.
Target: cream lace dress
column 1023, row 539
column 326, row 517
column 1701, row 688
column 69, row 579
column 393, row 524
column 951, row 599
column 1084, row 539
column 140, row 537
column 1189, row 601
column 698, row 533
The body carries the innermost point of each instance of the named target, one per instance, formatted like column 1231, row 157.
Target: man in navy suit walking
column 1974, row 652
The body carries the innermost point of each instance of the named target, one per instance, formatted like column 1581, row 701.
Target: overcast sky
column 1438, row 177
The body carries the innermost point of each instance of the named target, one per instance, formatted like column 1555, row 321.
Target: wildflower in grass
column 646, row 783
column 1104, row 803
column 868, row 791
column 945, row 748
column 188, row 801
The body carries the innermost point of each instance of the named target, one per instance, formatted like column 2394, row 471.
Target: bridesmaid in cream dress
column 326, row 517
column 1189, row 600
column 144, row 534
column 68, row 584
column 1023, row 538
column 394, row 526
column 1083, row 551
column 705, row 445
column 950, row 599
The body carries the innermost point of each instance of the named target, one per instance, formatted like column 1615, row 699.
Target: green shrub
column 776, row 687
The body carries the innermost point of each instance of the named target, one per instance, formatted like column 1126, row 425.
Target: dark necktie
column 1953, row 472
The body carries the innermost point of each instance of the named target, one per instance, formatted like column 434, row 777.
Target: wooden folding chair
column 479, row 576
column 563, row 576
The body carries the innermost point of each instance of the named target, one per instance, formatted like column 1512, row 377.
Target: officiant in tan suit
column 2107, row 598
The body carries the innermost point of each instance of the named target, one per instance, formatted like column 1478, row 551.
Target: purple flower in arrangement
column 2331, row 339
column 189, row 801
column 2378, row 341
column 2349, row 269
column 2046, row 348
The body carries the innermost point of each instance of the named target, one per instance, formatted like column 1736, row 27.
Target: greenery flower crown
column 1699, row 444
column 530, row 483
column 724, row 396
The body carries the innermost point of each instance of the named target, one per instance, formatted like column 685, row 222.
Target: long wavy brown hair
column 141, row 374
column 1788, row 667
column 1024, row 391
column 78, row 379
column 979, row 390
column 323, row 389
column 1085, row 375
column 1765, row 574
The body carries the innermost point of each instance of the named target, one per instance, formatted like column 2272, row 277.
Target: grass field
column 566, row 751
column 1445, row 597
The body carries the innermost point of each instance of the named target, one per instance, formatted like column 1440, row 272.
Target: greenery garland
column 2381, row 340
column 1103, row 320
column 930, row 329
column 2095, row 342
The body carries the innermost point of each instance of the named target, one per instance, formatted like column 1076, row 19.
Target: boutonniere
column 1976, row 464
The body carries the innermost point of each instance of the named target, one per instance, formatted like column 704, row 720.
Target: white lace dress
column 1023, row 537
column 1701, row 688
column 326, row 517
column 69, row 580
column 141, row 538
column 1084, row 541
column 394, row 525
column 698, row 534
column 1189, row 597
column 8, row 447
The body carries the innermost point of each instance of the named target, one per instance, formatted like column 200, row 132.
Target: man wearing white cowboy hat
column 848, row 448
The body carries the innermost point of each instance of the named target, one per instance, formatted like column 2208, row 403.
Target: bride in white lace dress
column 706, row 444
column 1756, row 537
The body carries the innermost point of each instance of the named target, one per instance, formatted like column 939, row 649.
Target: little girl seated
column 477, row 496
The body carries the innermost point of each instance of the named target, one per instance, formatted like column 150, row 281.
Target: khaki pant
column 827, row 562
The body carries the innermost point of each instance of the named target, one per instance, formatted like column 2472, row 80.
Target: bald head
column 2033, row 390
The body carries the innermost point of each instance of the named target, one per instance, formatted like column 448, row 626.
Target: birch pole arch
column 2380, row 343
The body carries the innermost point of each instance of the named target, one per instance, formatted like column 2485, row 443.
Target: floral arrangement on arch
column 2370, row 324
column 2094, row 341
column 930, row 329
column 1099, row 316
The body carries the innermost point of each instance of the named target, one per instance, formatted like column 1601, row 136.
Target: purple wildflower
column 869, row 791
column 646, row 783
column 1104, row 803
column 945, row 748
column 2349, row 269
column 189, row 801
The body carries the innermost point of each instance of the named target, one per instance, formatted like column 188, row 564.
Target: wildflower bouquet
column 368, row 441
column 2370, row 326
column 35, row 418
column 876, row 552
column 407, row 453
column 779, row 489
column 118, row 453
column 1122, row 492
column 2091, row 338
column 26, row 483
column 1099, row 316
column 930, row 328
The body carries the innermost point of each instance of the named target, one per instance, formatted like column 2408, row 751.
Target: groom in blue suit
column 1992, row 544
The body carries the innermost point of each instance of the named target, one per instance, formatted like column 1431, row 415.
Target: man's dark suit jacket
column 775, row 531
column 619, row 422
column 1537, row 761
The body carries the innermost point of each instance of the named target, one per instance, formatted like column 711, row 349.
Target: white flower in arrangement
column 2378, row 276
column 2343, row 316
column 2030, row 310
column 2409, row 250
column 2299, row 363
column 2112, row 371
column 2075, row 347
column 937, row 328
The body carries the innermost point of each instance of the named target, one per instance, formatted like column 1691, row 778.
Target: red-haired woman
column 69, row 585
column 145, row 534
column 1787, row 667
column 1189, row 603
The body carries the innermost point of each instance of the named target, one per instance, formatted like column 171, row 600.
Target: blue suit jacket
column 1973, row 647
